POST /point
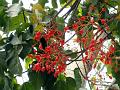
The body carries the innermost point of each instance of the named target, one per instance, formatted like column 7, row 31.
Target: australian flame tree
column 37, row 36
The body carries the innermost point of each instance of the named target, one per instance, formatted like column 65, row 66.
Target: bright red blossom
column 81, row 31
column 75, row 26
column 103, row 21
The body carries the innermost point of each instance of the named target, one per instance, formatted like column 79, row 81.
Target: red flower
column 62, row 42
column 37, row 36
column 75, row 26
column 38, row 57
column 84, row 40
column 83, row 18
column 103, row 9
column 43, row 69
column 103, row 21
column 36, row 67
column 48, row 49
column 101, row 40
column 92, row 48
column 66, row 28
column 81, row 31
column 40, row 47
column 111, row 49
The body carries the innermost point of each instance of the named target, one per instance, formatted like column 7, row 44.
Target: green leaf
column 60, row 20
column 15, row 1
column 71, row 84
column 3, row 2
column 7, row 85
column 15, row 22
column 27, row 86
column 35, row 79
column 60, row 85
column 63, row 2
column 15, row 66
column 3, row 17
column 77, row 78
column 61, row 77
column 13, row 61
column 27, row 48
column 71, row 53
column 43, row 2
column 16, row 87
column 28, row 61
column 2, row 83
column 61, row 23
column 2, row 57
column 54, row 4
column 16, row 40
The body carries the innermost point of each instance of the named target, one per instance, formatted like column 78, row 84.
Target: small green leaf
column 109, row 69
column 28, row 61
column 77, row 78
column 63, row 2
column 54, row 4
column 61, row 77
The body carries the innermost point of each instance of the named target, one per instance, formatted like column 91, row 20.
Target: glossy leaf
column 71, row 84
column 28, row 61
column 15, row 1
column 54, row 4
column 77, row 78
column 43, row 2
column 16, row 40
column 26, row 86
column 60, row 85
column 35, row 79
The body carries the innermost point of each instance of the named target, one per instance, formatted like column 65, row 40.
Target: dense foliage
column 37, row 37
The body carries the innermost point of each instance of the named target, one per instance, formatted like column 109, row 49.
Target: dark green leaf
column 63, row 1
column 8, row 83
column 60, row 85
column 27, row 86
column 15, row 1
column 16, row 40
column 3, row 17
column 13, row 61
column 3, row 2
column 77, row 78
column 71, row 84
column 35, row 79
column 43, row 2
column 16, row 87
column 15, row 65
column 2, row 57
column 54, row 4
column 2, row 83
column 27, row 48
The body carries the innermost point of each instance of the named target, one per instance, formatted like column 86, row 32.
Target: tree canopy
column 37, row 37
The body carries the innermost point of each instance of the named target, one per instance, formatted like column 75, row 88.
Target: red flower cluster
column 53, row 59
